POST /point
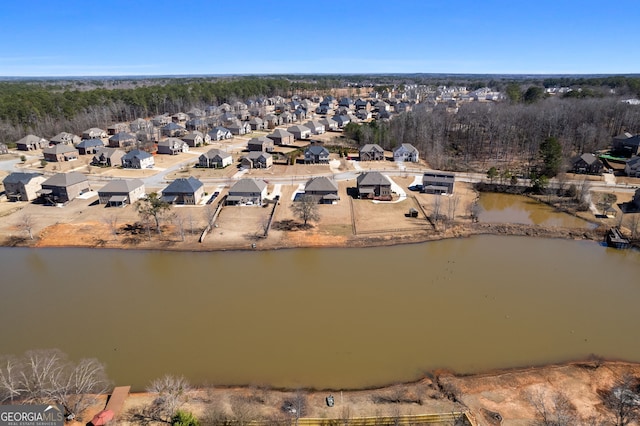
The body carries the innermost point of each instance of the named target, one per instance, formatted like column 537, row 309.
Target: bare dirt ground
column 493, row 398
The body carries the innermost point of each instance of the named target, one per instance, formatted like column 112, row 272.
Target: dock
column 615, row 239
column 117, row 398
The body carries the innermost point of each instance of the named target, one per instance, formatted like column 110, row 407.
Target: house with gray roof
column 94, row 133
column 262, row 143
column 247, row 192
column 31, row 143
column 329, row 124
column 257, row 123
column 257, row 160
column 240, row 128
column 89, row 146
column 23, row 186
column 184, row 191
column 196, row 138
column 65, row 138
column 300, row 132
column 587, row 163
column 323, row 189
column 406, row 152
column 108, row 157
column 173, row 130
column 172, row 146
column 632, row 167
column 119, row 193
column 316, row 154
column 123, row 140
column 63, row 187
column 272, row 120
column 220, row 133
column 117, row 128
column 139, row 124
column 435, row 182
column 137, row 159
column 371, row 152
column 626, row 145
column 60, row 153
column 374, row 185
column 281, row 137
column 198, row 123
column 215, row 159
column 316, row 127
column 342, row 120
column 161, row 120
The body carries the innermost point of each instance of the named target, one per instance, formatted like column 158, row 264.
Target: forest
column 480, row 134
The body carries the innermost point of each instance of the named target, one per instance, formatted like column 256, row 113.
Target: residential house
column 196, row 113
column 247, row 192
column 161, row 120
column 173, row 130
column 94, row 133
column 403, row 107
column 346, row 102
column 434, row 182
column 123, row 140
column 316, row 154
column 63, row 187
column 632, row 167
column 281, row 137
column 196, row 138
column 137, row 159
column 636, row 200
column 316, row 127
column 299, row 114
column 374, row 185
column 329, row 124
column 384, row 115
column 257, row 123
column 121, row 192
column 229, row 118
column 240, row 128
column 4, row 149
column 198, row 123
column 108, row 157
column 180, row 118
column 139, row 124
column 360, row 104
column 300, row 132
column 117, row 128
column 257, row 160
column 262, row 144
column 59, row 153
column 184, row 191
column 23, row 186
column 406, row 152
column 65, row 138
column 215, row 158
column 323, row 189
column 324, row 109
column 381, row 106
column 172, row 146
column 286, row 118
column 89, row 146
column 342, row 120
column 626, row 145
column 587, row 163
column 363, row 114
column 31, row 142
column 371, row 152
column 220, row 133
column 272, row 120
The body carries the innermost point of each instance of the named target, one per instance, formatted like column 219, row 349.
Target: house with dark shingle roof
column 63, row 187
column 626, row 145
column 329, row 123
column 300, row 132
column 281, row 137
column 94, row 133
column 257, row 160
column 108, row 157
column 371, row 152
column 65, row 138
column 89, row 146
column 137, row 159
column 247, row 192
column 173, row 130
column 60, row 153
column 374, row 185
column 31, row 142
column 323, row 189
column 184, row 191
column 316, row 127
column 122, row 140
column 121, row 192
column 435, row 182
column 262, row 143
column 220, row 133
column 23, row 186
column 172, row 146
column 196, row 138
column 587, row 163
column 215, row 159
column 316, row 154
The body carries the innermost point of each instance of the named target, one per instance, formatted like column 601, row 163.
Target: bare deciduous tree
column 172, row 392
column 553, row 410
column 306, row 209
column 112, row 222
column 623, row 400
column 26, row 224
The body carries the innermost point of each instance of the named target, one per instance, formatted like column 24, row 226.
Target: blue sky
column 142, row 37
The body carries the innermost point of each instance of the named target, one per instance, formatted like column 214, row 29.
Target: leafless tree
column 10, row 387
column 306, row 209
column 553, row 410
column 112, row 222
column 435, row 215
column 244, row 411
column 26, row 224
column 172, row 392
column 179, row 220
column 623, row 400
column 632, row 222
column 454, row 201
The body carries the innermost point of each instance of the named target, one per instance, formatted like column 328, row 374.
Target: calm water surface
column 510, row 208
column 323, row 317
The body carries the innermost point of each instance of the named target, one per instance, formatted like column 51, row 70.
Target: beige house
column 59, row 153
column 64, row 187
column 121, row 192
column 23, row 186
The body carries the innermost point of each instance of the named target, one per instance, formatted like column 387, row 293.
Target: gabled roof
column 321, row 183
column 122, row 136
column 89, row 143
column 121, row 185
column 183, row 186
column 31, row 139
column 317, row 150
column 298, row 129
column 587, row 158
column 136, row 153
column 192, row 136
column 219, row 129
column 107, row 152
column 64, row 137
column 18, row 177
column 407, row 147
column 373, row 178
column 371, row 147
column 212, row 153
column 59, row 149
column 281, row 133
column 172, row 142
column 313, row 124
column 254, row 155
column 261, row 140
column 248, row 186
column 172, row 126
column 65, row 179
